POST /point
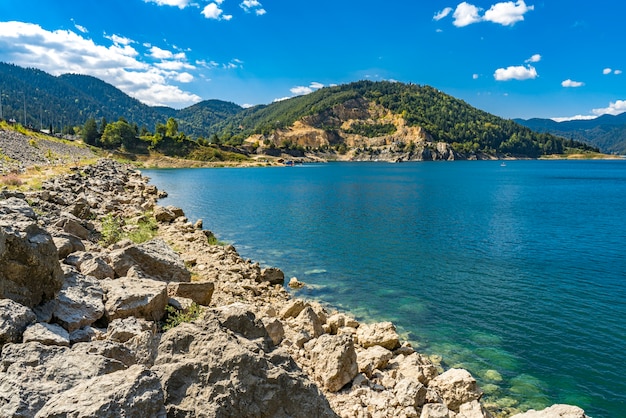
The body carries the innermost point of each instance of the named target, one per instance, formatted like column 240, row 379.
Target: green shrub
column 174, row 317
column 145, row 230
column 112, row 231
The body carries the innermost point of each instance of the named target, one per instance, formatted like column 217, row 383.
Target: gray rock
column 131, row 297
column 272, row 275
column 154, row 258
column 554, row 411
column 67, row 244
column 239, row 318
column 80, row 301
column 98, row 268
column 18, row 206
column 199, row 292
column 435, row 410
column 29, row 268
column 410, row 392
column 206, row 370
column 31, row 373
column 122, row 330
column 333, row 360
column 373, row 358
column 14, row 318
column 380, row 333
column 456, row 387
column 47, row 334
column 162, row 214
column 275, row 329
column 308, row 321
column 135, row 392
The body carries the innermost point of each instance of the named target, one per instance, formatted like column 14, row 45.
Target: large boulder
column 79, row 302
column 132, row 297
column 456, row 387
column 48, row 334
column 154, row 258
column 208, row 370
column 373, row 358
column 135, row 392
column 333, row 360
column 199, row 292
column 14, row 318
column 29, row 268
column 31, row 373
column 554, row 411
column 380, row 333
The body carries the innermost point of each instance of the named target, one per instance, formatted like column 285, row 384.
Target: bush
column 174, row 317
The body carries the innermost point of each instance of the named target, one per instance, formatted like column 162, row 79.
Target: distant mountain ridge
column 607, row 132
column 363, row 120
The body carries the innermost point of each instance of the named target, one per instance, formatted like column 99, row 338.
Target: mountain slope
column 368, row 114
column 606, row 132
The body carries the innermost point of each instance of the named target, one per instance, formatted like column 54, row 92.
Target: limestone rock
column 135, row 392
column 130, row 297
column 162, row 214
column 456, row 387
column 275, row 329
column 123, row 329
column 473, row 410
column 29, row 268
column 410, row 392
column 435, row 410
column 272, row 275
column 154, row 258
column 31, row 373
column 294, row 283
column 239, row 318
column 554, row 411
column 373, row 358
column 333, row 360
column 292, row 309
column 206, row 370
column 417, row 366
column 79, row 302
column 14, row 318
column 340, row 320
column 47, row 334
column 308, row 321
column 199, row 292
column 97, row 267
column 381, row 333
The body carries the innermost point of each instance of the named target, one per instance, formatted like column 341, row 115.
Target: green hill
column 606, row 132
column 368, row 114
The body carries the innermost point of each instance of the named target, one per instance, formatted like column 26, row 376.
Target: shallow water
column 517, row 273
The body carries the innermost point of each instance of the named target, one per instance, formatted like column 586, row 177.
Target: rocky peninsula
column 171, row 323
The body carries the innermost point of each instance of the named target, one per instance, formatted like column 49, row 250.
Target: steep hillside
column 606, row 132
column 387, row 120
column 196, row 120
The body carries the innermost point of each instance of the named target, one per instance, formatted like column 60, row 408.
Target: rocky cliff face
column 81, row 323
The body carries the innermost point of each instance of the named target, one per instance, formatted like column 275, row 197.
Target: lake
column 516, row 272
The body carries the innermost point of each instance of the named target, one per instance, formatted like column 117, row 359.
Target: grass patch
column 11, row 180
column 115, row 228
column 174, row 317
column 212, row 240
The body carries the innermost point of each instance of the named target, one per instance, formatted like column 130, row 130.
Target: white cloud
column 120, row 40
column 81, row 28
column 181, row 4
column 260, row 12
column 63, row 51
column 212, row 11
column 253, row 6
column 247, row 105
column 572, row 83
column 315, row 85
column 614, row 108
column 534, row 58
column 475, row 76
column 577, row 117
column 607, row 71
column 507, row 13
column 466, row 14
column 184, row 77
column 440, row 15
column 280, row 99
column 519, row 72
column 163, row 54
column 301, row 90
column 617, row 72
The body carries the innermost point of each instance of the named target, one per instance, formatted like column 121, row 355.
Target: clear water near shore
column 516, row 273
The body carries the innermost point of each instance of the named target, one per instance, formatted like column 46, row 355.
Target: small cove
column 516, row 273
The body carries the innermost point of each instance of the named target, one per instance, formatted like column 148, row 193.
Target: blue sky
column 553, row 59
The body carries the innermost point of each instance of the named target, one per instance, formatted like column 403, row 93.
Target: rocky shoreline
column 87, row 322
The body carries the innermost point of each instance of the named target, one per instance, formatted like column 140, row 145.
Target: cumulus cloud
column 534, row 58
column 63, row 51
column 507, row 13
column 81, row 28
column 608, row 71
column 466, row 14
column 614, row 108
column 617, row 72
column 302, row 90
column 572, row 83
column 181, row 4
column 519, row 72
column 443, row 13
column 184, row 77
column 577, row 117
column 253, row 6
column 213, row 11
column 475, row 76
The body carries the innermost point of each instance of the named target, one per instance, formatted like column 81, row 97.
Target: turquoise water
column 517, row 273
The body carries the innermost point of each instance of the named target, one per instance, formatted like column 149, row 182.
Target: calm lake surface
column 517, row 273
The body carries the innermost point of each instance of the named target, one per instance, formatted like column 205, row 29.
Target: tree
column 103, row 125
column 118, row 133
column 171, row 128
column 90, row 132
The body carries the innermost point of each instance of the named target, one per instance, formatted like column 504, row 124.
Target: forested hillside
column 606, row 132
